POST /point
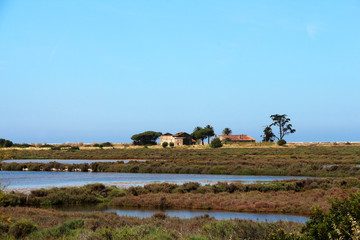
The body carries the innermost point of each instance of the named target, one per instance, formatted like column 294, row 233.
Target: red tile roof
column 181, row 134
column 238, row 138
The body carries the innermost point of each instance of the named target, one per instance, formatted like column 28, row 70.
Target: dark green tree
column 282, row 121
column 197, row 128
column 268, row 136
column 201, row 134
column 146, row 138
column 226, row 131
column 5, row 143
column 211, row 132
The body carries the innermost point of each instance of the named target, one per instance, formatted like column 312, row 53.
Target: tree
column 282, row 122
column 268, row 136
column 216, row 143
column 210, row 132
column 5, row 143
column 146, row 138
column 164, row 144
column 227, row 131
column 201, row 134
column 197, row 128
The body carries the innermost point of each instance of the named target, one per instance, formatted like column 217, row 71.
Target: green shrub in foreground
column 216, row 143
column 22, row 228
column 164, row 144
column 281, row 142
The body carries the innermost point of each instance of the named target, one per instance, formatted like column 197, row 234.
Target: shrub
column 5, row 143
column 159, row 215
column 74, row 148
column 340, row 222
column 164, row 144
column 172, row 144
column 107, row 144
column 22, row 228
column 216, row 143
column 281, row 142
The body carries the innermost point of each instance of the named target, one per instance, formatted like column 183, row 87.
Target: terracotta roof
column 238, row 138
column 181, row 134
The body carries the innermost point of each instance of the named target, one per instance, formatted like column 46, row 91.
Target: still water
column 145, row 213
column 31, row 180
column 66, row 161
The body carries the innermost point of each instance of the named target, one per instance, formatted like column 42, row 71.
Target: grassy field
column 294, row 160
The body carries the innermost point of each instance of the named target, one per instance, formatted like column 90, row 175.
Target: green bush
column 22, row 228
column 164, row 144
column 216, row 143
column 342, row 221
column 5, row 143
column 172, row 144
column 281, row 142
column 107, row 144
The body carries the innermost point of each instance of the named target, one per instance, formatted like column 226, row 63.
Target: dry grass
column 275, row 202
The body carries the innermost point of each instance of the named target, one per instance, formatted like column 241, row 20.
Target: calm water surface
column 144, row 213
column 31, row 180
column 67, row 161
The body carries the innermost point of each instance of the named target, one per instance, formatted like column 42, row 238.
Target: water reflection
column 24, row 180
column 144, row 213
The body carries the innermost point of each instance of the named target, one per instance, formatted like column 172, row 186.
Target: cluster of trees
column 5, row 143
column 285, row 128
column 200, row 134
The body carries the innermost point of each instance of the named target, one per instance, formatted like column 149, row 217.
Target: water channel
column 181, row 213
column 70, row 161
column 27, row 180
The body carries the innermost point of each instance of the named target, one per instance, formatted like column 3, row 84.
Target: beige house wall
column 167, row 139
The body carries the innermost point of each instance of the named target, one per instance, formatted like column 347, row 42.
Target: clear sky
column 95, row 71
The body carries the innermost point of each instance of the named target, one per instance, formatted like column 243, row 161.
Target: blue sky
column 94, row 71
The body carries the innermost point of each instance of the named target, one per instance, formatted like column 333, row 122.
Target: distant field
column 330, row 160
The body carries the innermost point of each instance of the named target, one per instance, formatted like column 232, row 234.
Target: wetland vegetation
column 280, row 161
column 338, row 217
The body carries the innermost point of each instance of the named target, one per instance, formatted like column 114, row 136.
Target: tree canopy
column 226, row 131
column 268, row 136
column 200, row 133
column 5, row 143
column 282, row 121
column 146, row 138
column 210, row 133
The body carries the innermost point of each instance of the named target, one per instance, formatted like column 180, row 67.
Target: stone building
column 181, row 138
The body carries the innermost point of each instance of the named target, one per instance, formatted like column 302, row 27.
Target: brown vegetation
column 276, row 202
column 53, row 224
column 297, row 161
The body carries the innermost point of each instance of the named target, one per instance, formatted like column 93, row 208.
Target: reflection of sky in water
column 66, row 161
column 144, row 213
column 24, row 179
